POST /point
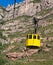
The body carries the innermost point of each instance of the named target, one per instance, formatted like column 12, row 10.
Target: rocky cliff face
column 46, row 4
column 28, row 7
column 25, row 8
column 15, row 30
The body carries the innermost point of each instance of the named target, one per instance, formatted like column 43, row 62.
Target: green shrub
column 1, row 36
column 2, row 22
column 0, row 45
column 3, row 61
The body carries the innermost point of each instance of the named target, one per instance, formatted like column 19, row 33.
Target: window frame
column 38, row 37
column 34, row 37
column 29, row 36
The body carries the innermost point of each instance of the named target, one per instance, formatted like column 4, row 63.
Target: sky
column 5, row 3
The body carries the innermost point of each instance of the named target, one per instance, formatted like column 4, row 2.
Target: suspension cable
column 14, row 9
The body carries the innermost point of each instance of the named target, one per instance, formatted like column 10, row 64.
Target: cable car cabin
column 33, row 40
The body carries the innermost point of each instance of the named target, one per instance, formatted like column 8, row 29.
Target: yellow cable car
column 33, row 40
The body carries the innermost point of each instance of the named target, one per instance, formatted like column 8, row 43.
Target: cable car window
column 38, row 37
column 30, row 36
column 34, row 37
